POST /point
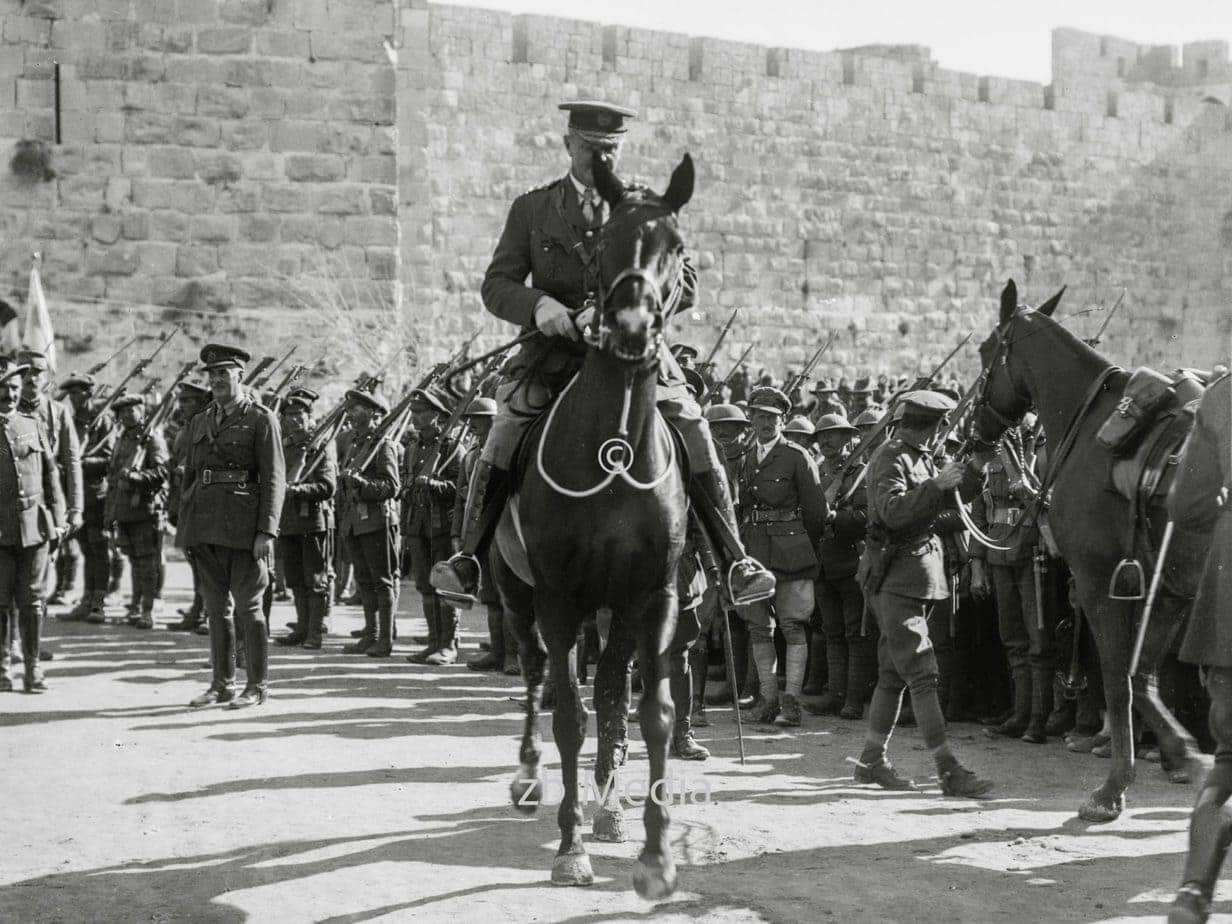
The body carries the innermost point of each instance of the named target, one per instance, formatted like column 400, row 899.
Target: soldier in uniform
column 306, row 533
column 550, row 236
column 32, row 519
column 230, row 507
column 96, row 434
column 368, row 519
column 430, row 476
column 849, row 654
column 783, row 511
column 58, row 422
column 1201, row 501
column 136, row 498
column 867, row 420
column 191, row 399
column 502, row 653
column 1025, row 634
column 800, row 430
column 902, row 573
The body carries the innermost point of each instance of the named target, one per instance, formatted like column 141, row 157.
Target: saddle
column 1143, row 478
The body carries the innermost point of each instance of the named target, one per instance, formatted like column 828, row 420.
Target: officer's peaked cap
column 768, row 398
column 218, row 356
column 376, row 402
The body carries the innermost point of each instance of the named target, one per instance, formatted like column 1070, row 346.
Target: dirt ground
column 376, row 790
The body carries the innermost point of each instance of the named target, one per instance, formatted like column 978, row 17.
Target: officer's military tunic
column 32, row 511
column 137, row 485
column 782, row 514
column 547, row 238
column 234, row 483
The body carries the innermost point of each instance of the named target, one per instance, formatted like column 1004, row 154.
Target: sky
column 987, row 37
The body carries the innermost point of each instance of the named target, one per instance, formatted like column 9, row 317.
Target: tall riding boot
column 836, row 658
column 66, row 577
column 222, row 663
column 151, row 591
column 747, row 580
column 115, row 571
column 431, row 609
column 30, row 641
column 256, row 647
column 368, row 636
column 494, row 658
column 681, row 684
column 1041, row 707
column 1016, row 724
column 767, row 681
column 192, row 616
column 383, row 647
column 300, row 632
column 317, row 605
column 457, row 579
column 447, row 639
column 698, row 668
column 861, row 676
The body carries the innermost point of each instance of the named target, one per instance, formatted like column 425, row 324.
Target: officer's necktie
column 592, row 207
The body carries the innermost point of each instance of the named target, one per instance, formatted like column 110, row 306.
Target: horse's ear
column 606, row 182
column 1009, row 301
column 1050, row 306
column 680, row 189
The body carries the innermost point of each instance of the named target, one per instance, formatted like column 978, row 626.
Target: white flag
column 38, row 334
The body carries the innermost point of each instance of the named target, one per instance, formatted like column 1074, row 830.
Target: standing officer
column 96, row 435
column 1026, row 634
column 368, row 519
column 191, row 400
column 849, row 653
column 783, row 512
column 902, row 572
column 231, row 504
column 306, row 533
column 430, row 476
column 62, row 435
column 550, row 236
column 32, row 519
column 1201, row 501
column 136, row 498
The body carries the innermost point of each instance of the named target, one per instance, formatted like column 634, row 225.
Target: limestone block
column 222, row 102
column 279, row 43
column 105, row 228
column 295, row 136
column 278, row 197
column 245, row 259
column 117, row 260
column 218, row 168
column 246, row 135
column 166, row 225
column 149, row 128
column 196, row 132
column 239, row 198
column 246, row 12
column 214, row 228
column 135, row 226
column 157, row 258
column 314, row 168
column 84, row 191
column 186, row 196
column 340, row 199
column 171, row 163
column 224, row 40
column 259, row 228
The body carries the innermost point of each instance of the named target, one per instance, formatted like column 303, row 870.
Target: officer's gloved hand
column 553, row 319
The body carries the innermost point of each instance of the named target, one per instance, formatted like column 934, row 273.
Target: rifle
column 434, row 463
column 264, row 380
column 872, row 440
column 156, row 419
column 256, row 370
column 714, row 350
column 99, row 367
column 804, row 374
column 1108, row 320
column 137, row 369
column 719, row 383
column 294, row 374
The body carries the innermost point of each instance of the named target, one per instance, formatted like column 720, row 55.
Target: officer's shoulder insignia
column 795, row 447
column 551, row 184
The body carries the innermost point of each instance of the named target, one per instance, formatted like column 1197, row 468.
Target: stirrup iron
column 1128, row 582
column 442, row 573
column 746, row 600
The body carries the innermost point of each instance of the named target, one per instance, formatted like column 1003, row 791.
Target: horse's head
column 640, row 264
column 1003, row 396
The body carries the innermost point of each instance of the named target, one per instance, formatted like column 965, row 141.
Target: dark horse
column 600, row 513
column 1032, row 361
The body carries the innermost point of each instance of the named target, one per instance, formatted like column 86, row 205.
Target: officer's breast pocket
column 25, row 445
column 549, row 256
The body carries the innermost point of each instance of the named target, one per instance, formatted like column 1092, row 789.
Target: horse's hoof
column 654, row 880
column 572, row 869
column 609, row 826
column 1098, row 810
column 526, row 792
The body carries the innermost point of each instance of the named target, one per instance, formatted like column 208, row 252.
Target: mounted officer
column 234, row 481
column 550, row 237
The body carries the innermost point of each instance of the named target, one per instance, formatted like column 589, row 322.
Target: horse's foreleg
column 526, row 791
column 572, row 865
column 612, row 714
column 1113, row 632
column 1176, row 746
column 655, row 874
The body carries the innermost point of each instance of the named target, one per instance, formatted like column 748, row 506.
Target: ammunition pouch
column 1147, row 394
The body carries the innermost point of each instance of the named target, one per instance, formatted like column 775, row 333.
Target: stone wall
column 212, row 154
column 867, row 191
column 257, row 168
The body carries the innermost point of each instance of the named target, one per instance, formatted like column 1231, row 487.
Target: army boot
column 447, row 642
column 1016, row 724
column 368, row 636
column 318, row 611
column 300, row 632
column 961, row 782
column 383, row 645
column 431, row 608
column 97, row 614
column 81, row 609
column 747, row 581
column 1061, row 720
column 457, row 579
column 861, row 674
column 191, row 617
column 821, row 668
column 66, row 577
column 882, row 773
column 1041, row 707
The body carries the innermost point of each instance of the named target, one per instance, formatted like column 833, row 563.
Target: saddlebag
column 1147, row 393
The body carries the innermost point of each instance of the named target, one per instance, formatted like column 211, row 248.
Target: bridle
column 982, row 404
